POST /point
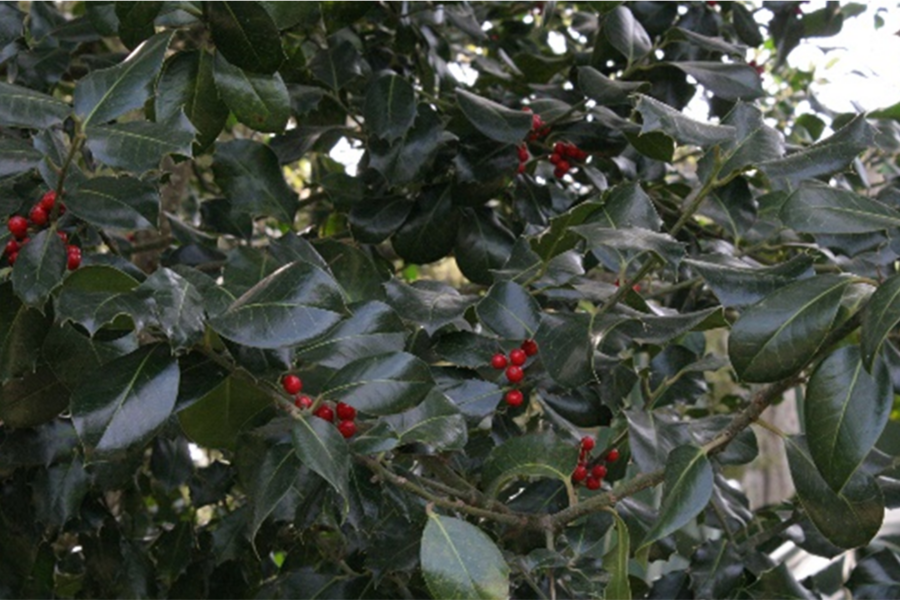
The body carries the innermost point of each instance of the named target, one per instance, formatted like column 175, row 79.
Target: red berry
column 536, row 122
column 612, row 455
column 559, row 148
column 12, row 246
column 347, row 428
column 514, row 374
column 63, row 236
column 48, row 200
column 518, row 357
column 514, row 398
column 555, row 158
column 291, row 384
column 523, row 153
column 598, row 472
column 18, row 226
column 587, row 443
column 563, row 166
column 73, row 257
column 62, row 209
column 580, row 473
column 11, row 259
column 345, row 412
column 303, row 402
column 498, row 361
column 592, row 483
column 579, row 154
column 521, row 168
column 530, row 347
column 559, row 172
column 325, row 412
column 38, row 215
column 526, row 108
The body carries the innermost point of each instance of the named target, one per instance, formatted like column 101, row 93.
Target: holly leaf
column 17, row 156
column 494, row 120
column 390, row 107
column 22, row 107
column 382, row 384
column 662, row 117
column 34, row 399
column 740, row 284
column 436, row 422
column 532, row 455
column 880, row 315
column 818, row 208
column 319, row 445
column 246, row 35
column 218, row 418
column 259, row 101
column 138, row 146
column 123, row 203
column 22, row 331
column 250, row 176
column 187, row 85
column 730, row 81
column 626, row 34
column 93, row 296
column 509, row 311
column 39, row 268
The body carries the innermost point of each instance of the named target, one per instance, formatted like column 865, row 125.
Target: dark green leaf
column 390, row 107
column 259, row 101
column 483, row 244
column 431, row 304
column 404, row 160
column 876, row 576
column 71, row 354
column 818, row 208
column 716, row 569
column 35, row 399
column 249, row 174
column 294, row 304
column 558, row 237
column 374, row 328
column 605, row 91
column 664, row 328
column 688, row 489
column 116, row 202
column 39, row 268
column 654, row 144
column 632, row 240
column 22, row 331
column 187, row 84
column 845, row 411
column 436, row 422
column 661, row 117
column 831, row 155
column 138, row 146
column 745, row 25
column 616, row 562
column 354, row 269
column 740, row 284
column 880, row 316
column 532, row 455
column 124, row 403
column 173, row 305
column 59, row 491
column 460, row 561
column 374, row 219
column 337, row 65
column 778, row 583
column 429, row 232
column 136, row 21
column 754, row 142
column 466, row 349
column 106, row 94
column 93, row 296
column 849, row 518
column 777, row 336
column 246, row 35
column 475, row 397
column 17, row 156
column 216, row 420
column 509, row 311
column 494, row 120
column 713, row 44
column 199, row 376
column 320, row 446
column 22, row 107
column 730, row 81
column 382, row 384
column 627, row 206
column 652, row 435
column 566, row 348
column 626, row 34
column 289, row 14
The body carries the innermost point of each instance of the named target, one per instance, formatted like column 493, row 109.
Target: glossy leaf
column 136, row 21
column 39, row 268
column 404, row 160
column 739, row 284
column 94, row 296
column 116, row 202
column 23, row 107
column 605, row 91
column 778, row 335
column 358, row 275
column 734, row 81
column 34, row 399
column 627, row 206
column 124, row 404
column 475, row 397
column 337, row 65
column 632, row 240
column 246, row 35
column 320, row 446
column 482, row 245
column 849, row 518
column 828, row 156
column 59, row 491
column 460, row 561
column 173, row 305
column 71, row 354
column 22, row 331
column 17, row 156
column 429, row 232
column 494, row 120
column 373, row 328
column 688, row 489
column 187, row 85
column 532, row 455
column 374, row 219
column 296, row 303
column 661, row 117
column 880, row 315
column 716, row 569
column 382, row 384
column 436, row 422
column 249, row 174
column 754, row 142
column 509, row 311
column 876, row 576
column 566, row 348
column 138, row 146
column 626, row 34
column 258, row 101
column 390, row 107
column 430, row 304
column 616, row 562
column 217, row 419
column 105, row 94
column 845, row 411
column 817, row 208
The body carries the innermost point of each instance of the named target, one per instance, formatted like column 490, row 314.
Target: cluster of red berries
column 539, row 129
column 562, row 157
column 522, row 151
column 593, row 477
column 345, row 414
column 514, row 372
column 38, row 218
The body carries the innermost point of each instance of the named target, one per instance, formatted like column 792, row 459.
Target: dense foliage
column 522, row 349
